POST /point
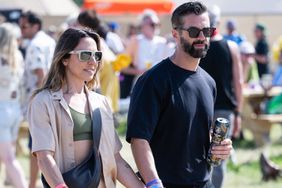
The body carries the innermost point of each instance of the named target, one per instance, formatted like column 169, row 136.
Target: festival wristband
column 153, row 182
column 156, row 186
column 61, row 185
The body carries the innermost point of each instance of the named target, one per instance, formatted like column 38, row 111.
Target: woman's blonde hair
column 67, row 42
column 9, row 47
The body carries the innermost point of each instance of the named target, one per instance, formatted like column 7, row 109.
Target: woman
column 11, row 72
column 59, row 114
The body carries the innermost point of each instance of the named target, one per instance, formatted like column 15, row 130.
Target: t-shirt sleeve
column 144, row 110
column 36, row 59
column 40, row 126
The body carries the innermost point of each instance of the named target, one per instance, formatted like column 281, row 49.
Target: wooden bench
column 260, row 126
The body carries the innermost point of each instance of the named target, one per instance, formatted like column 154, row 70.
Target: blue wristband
column 156, row 186
column 154, row 181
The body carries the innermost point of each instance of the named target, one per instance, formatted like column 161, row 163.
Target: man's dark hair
column 32, row 18
column 90, row 19
column 193, row 7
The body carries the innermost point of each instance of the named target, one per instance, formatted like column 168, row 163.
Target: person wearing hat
column 146, row 48
column 262, row 50
column 250, row 70
column 231, row 32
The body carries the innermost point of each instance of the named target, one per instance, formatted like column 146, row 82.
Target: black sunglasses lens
column 194, row 32
column 208, row 32
column 85, row 56
column 98, row 56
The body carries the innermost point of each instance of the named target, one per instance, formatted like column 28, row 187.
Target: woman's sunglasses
column 194, row 32
column 86, row 55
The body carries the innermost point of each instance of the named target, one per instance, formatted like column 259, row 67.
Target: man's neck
column 185, row 61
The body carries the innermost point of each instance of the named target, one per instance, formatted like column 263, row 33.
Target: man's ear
column 175, row 33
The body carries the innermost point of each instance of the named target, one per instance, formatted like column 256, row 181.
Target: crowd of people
column 178, row 86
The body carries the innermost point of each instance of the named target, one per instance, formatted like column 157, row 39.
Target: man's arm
column 132, row 51
column 238, row 82
column 125, row 174
column 144, row 159
column 40, row 76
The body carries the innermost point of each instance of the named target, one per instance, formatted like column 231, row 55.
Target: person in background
column 262, row 50
column 11, row 68
column 223, row 64
column 62, row 134
column 232, row 33
column 250, row 70
column 109, row 82
column 38, row 55
column 147, row 48
column 172, row 107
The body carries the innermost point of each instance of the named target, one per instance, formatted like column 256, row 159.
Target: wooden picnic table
column 254, row 118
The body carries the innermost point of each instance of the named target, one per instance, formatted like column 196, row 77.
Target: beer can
column 219, row 133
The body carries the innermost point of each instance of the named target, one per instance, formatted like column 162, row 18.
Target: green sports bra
column 82, row 129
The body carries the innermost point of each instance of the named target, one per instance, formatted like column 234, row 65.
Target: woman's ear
column 65, row 62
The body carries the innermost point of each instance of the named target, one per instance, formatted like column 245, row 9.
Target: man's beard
column 191, row 50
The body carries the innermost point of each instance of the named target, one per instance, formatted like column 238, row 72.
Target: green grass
column 247, row 173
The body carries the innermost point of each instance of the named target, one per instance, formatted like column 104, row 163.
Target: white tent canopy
column 42, row 7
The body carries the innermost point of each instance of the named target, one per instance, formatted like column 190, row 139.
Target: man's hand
column 223, row 150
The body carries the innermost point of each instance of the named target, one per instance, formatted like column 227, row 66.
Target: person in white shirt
column 38, row 58
column 146, row 48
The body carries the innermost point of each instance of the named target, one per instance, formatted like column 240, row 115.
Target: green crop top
column 82, row 129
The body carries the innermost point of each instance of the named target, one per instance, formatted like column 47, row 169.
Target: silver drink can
column 219, row 133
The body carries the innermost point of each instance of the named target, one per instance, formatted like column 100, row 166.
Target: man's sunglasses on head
column 194, row 32
column 86, row 55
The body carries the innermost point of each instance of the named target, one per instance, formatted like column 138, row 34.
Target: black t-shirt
column 262, row 49
column 172, row 108
column 218, row 63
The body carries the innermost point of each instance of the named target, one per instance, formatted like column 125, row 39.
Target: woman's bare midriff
column 82, row 149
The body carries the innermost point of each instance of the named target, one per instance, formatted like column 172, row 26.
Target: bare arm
column 238, row 82
column 49, row 168
column 261, row 58
column 125, row 174
column 131, row 50
column 144, row 159
column 40, row 76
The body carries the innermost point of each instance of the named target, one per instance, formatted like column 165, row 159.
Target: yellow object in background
column 122, row 61
column 277, row 49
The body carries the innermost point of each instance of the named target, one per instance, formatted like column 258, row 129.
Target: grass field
column 246, row 174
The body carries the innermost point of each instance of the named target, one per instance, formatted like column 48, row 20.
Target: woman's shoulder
column 42, row 96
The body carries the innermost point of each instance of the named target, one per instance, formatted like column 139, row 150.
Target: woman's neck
column 73, row 87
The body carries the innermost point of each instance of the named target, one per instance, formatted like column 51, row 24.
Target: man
column 223, row 64
column 171, row 109
column 231, row 32
column 37, row 62
column 262, row 50
column 147, row 48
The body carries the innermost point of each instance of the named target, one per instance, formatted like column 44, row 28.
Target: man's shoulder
column 158, row 72
column 41, row 39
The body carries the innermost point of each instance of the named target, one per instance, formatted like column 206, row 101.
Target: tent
column 114, row 7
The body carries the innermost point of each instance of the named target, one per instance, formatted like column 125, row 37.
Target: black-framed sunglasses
column 86, row 55
column 194, row 32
